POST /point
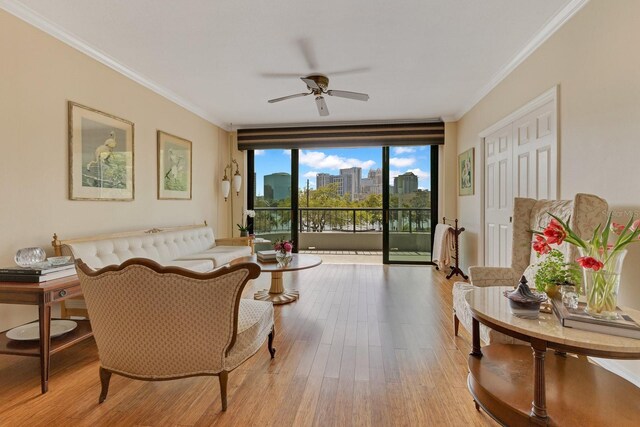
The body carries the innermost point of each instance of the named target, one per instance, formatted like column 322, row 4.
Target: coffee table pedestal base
column 277, row 294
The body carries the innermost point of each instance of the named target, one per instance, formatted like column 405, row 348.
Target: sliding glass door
column 409, row 203
column 271, row 182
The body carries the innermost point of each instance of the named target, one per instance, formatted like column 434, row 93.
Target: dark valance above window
column 425, row 133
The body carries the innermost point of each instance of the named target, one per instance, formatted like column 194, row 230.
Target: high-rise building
column 405, row 183
column 277, row 186
column 372, row 184
column 323, row 179
column 351, row 181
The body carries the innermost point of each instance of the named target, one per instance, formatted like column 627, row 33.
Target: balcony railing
column 349, row 220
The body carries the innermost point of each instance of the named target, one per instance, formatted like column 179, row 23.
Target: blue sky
column 403, row 159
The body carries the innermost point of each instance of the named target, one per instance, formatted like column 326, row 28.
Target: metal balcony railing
column 349, row 220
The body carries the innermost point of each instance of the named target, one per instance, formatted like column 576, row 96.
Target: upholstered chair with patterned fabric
column 586, row 211
column 158, row 323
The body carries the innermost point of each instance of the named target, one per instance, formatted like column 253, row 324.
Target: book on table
column 266, row 255
column 576, row 318
column 37, row 269
column 36, row 275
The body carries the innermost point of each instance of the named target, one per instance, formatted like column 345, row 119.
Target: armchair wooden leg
column 272, row 350
column 456, row 324
column 224, row 375
column 105, row 377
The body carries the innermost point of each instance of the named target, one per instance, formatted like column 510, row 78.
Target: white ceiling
column 417, row 59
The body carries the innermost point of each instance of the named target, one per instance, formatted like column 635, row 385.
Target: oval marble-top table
column 504, row 379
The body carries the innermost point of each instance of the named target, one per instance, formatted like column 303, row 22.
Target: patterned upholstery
column 142, row 329
column 586, row 212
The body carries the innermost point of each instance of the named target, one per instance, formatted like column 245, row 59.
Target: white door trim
column 544, row 98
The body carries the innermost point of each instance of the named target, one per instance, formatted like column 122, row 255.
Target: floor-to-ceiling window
column 331, row 199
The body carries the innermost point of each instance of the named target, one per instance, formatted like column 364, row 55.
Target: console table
column 520, row 385
column 43, row 295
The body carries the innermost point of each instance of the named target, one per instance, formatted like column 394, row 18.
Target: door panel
column 499, row 196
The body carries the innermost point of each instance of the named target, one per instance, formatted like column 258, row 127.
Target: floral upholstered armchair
column 158, row 323
column 586, row 211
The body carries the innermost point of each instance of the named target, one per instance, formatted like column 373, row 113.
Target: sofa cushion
column 197, row 265
column 255, row 321
column 220, row 255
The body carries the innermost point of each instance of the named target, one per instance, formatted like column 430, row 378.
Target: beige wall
column 38, row 74
column 595, row 60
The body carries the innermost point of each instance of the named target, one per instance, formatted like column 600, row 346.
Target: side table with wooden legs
column 521, row 385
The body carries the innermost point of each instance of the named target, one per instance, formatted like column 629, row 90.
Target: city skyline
column 330, row 161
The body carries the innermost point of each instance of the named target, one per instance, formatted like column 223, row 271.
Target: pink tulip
column 635, row 225
column 617, row 228
column 288, row 246
column 277, row 247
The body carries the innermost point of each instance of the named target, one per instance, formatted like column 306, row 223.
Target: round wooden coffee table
column 512, row 382
column 277, row 293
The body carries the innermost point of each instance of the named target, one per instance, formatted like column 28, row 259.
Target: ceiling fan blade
column 350, row 95
column 308, row 53
column 355, row 70
column 312, row 84
column 297, row 95
column 322, row 106
column 280, row 75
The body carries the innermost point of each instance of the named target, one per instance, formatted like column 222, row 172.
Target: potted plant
column 244, row 228
column 553, row 272
column 283, row 250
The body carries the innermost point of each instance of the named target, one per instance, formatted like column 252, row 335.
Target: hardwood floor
column 364, row 345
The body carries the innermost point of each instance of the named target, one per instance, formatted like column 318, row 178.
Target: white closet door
column 535, row 156
column 498, row 196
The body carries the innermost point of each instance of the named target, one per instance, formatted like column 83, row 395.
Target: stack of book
column 576, row 318
column 36, row 274
column 267, row 256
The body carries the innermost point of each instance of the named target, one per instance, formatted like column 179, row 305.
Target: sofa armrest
column 492, row 276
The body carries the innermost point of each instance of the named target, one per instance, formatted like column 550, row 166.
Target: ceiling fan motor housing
column 321, row 80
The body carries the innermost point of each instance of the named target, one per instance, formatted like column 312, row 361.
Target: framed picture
column 174, row 167
column 100, row 155
column 466, row 173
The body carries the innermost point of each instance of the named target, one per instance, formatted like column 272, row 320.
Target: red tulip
column 287, row 246
column 555, row 233
column 540, row 245
column 590, row 262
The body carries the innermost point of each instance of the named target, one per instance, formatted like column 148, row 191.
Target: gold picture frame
column 174, row 167
column 100, row 155
column 466, row 173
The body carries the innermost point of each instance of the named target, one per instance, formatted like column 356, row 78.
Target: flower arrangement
column 245, row 224
column 283, row 250
column 283, row 246
column 601, row 261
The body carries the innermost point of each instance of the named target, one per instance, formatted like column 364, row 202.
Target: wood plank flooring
column 366, row 345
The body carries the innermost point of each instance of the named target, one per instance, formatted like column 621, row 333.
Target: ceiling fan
column 318, row 86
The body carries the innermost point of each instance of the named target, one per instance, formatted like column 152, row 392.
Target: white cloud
column 403, row 150
column 310, row 174
column 286, row 152
column 420, row 173
column 401, row 162
column 320, row 160
column 259, row 152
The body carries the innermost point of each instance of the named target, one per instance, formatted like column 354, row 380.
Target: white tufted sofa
column 191, row 248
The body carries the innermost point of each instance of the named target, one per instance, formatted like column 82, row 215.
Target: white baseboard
column 627, row 369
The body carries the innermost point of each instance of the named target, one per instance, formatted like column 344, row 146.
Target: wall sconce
column 237, row 180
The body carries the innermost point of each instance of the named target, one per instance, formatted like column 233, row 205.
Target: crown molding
column 31, row 17
column 549, row 28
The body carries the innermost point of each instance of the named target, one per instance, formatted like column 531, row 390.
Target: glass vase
column 283, row 258
column 601, row 287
